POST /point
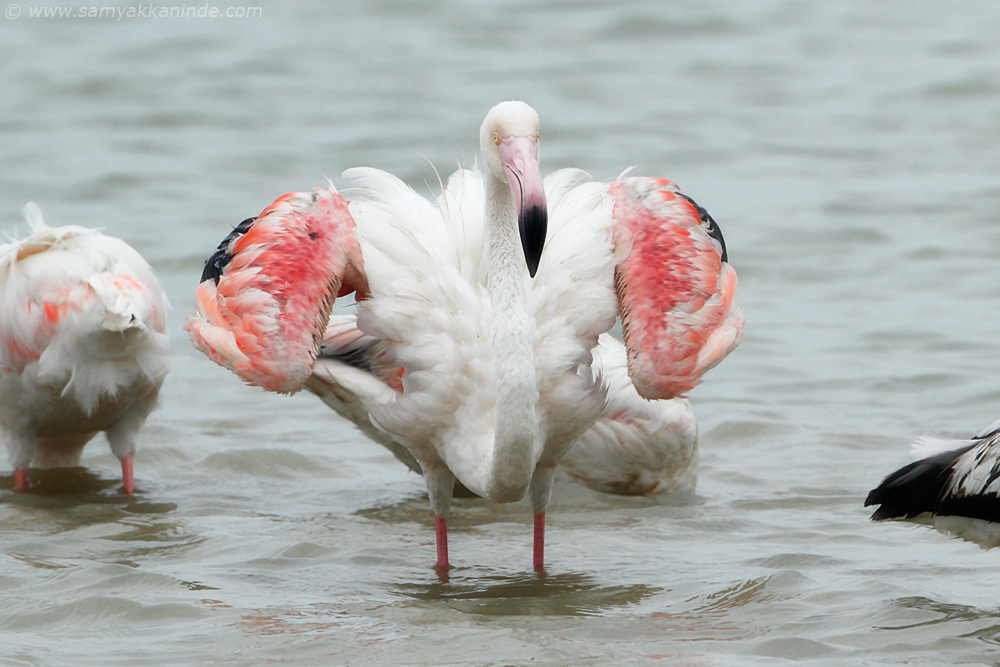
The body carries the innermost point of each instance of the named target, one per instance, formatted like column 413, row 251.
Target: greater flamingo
column 490, row 300
column 83, row 346
column 953, row 486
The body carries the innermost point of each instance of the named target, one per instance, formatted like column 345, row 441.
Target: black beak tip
column 533, row 226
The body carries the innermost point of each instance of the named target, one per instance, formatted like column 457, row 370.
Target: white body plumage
column 83, row 345
column 448, row 412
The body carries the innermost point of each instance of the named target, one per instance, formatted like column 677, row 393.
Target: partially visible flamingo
column 490, row 299
column 636, row 446
column 953, row 486
column 83, row 346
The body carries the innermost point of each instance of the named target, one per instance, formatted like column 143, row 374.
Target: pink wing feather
column 266, row 295
column 675, row 289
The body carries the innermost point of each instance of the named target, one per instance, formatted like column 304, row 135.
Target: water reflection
column 740, row 594
column 568, row 499
column 465, row 512
column 61, row 481
column 60, row 488
column 945, row 613
column 527, row 594
column 411, row 508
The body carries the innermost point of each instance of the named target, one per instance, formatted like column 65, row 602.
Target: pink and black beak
column 519, row 156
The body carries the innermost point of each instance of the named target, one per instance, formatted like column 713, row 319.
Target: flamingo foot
column 20, row 480
column 128, row 482
column 441, row 533
column 539, row 552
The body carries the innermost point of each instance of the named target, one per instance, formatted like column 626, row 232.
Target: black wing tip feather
column 924, row 486
column 368, row 357
column 711, row 226
column 908, row 492
column 217, row 263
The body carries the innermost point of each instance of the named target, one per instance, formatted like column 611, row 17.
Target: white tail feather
column 925, row 447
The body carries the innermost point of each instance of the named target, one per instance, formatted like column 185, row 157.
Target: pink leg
column 441, row 533
column 539, row 558
column 128, row 482
column 21, row 480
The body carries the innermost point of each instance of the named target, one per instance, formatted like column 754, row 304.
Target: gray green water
column 848, row 150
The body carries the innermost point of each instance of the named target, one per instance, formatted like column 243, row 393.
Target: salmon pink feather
column 264, row 314
column 675, row 292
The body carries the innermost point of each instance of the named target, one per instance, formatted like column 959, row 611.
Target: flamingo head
column 509, row 142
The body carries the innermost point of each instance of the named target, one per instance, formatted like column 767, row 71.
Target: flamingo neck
column 516, row 393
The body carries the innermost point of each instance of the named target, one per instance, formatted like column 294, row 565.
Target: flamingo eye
column 496, row 138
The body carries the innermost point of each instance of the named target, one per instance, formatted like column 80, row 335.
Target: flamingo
column 953, row 486
column 83, row 346
column 636, row 447
column 490, row 299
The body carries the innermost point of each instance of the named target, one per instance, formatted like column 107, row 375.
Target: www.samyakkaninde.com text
column 140, row 11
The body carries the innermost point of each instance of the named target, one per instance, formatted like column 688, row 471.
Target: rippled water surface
column 850, row 153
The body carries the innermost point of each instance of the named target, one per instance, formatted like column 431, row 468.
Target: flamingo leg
column 128, row 482
column 539, row 550
column 541, row 493
column 441, row 533
column 440, row 485
column 20, row 480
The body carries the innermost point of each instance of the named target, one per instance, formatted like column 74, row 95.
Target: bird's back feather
column 84, row 309
column 83, row 343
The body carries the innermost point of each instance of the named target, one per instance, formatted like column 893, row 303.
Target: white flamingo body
column 450, row 413
column 83, row 345
column 491, row 300
column 636, row 446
